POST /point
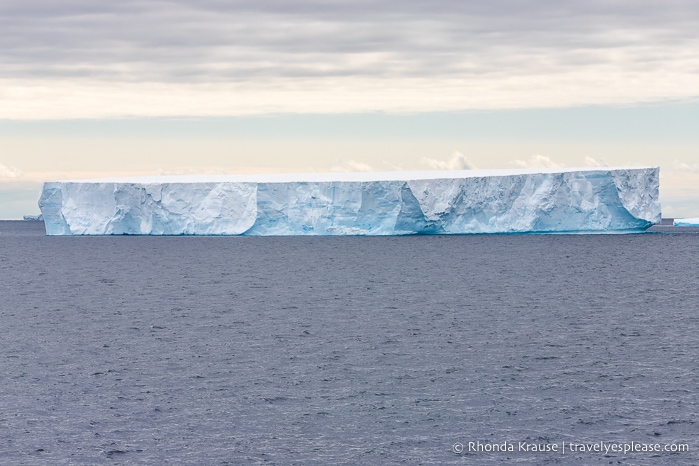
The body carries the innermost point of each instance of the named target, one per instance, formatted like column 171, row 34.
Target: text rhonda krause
column 574, row 447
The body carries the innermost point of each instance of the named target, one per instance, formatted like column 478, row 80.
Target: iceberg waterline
column 393, row 203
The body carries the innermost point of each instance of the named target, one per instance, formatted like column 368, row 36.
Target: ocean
column 473, row 349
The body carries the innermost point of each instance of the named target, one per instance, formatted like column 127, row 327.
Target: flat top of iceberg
column 343, row 176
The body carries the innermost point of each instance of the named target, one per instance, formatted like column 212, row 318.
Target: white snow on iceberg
column 391, row 203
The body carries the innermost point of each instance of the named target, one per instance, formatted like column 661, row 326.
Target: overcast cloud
column 91, row 58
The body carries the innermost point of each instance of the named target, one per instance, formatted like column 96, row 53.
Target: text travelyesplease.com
column 571, row 447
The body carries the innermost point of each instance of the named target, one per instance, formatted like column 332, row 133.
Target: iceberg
column 686, row 222
column 590, row 200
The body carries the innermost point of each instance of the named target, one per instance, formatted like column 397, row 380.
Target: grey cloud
column 212, row 40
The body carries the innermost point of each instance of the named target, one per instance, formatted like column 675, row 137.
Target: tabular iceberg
column 686, row 222
column 391, row 203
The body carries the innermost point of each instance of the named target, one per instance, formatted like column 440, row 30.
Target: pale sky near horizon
column 145, row 87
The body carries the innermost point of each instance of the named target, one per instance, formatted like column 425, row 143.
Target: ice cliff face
column 458, row 202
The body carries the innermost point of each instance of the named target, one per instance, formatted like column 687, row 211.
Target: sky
column 92, row 88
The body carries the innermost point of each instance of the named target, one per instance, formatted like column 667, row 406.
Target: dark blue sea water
column 346, row 350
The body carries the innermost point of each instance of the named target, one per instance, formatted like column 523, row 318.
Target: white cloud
column 457, row 161
column 685, row 167
column 344, row 165
column 10, row 172
column 191, row 171
column 537, row 161
column 592, row 162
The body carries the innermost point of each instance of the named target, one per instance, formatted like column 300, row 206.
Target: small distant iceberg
column 686, row 222
column 34, row 218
